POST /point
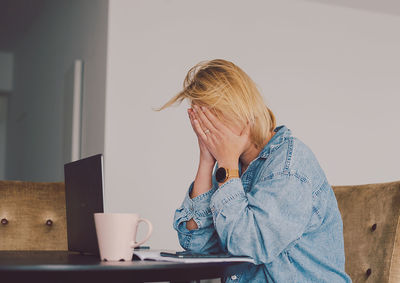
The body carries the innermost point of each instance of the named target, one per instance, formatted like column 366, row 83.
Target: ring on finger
column 206, row 131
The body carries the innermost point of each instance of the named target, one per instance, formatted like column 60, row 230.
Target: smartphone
column 188, row 254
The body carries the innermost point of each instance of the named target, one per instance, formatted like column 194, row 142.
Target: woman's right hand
column 205, row 155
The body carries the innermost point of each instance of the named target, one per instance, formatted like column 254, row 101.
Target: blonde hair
column 229, row 92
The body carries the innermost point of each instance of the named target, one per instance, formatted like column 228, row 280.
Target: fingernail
column 203, row 108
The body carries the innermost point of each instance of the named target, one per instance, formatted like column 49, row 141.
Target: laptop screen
column 84, row 196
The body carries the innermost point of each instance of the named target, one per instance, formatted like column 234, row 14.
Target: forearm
column 202, row 240
column 202, row 184
column 203, row 180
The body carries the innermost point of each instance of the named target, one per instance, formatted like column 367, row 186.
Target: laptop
column 84, row 187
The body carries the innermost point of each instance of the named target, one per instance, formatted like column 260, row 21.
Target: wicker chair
column 371, row 231
column 32, row 216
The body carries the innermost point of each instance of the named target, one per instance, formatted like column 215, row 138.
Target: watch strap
column 229, row 173
column 232, row 173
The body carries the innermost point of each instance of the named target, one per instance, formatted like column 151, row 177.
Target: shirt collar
column 277, row 140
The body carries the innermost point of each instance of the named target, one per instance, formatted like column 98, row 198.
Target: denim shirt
column 281, row 212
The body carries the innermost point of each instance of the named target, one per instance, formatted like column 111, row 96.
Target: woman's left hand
column 223, row 144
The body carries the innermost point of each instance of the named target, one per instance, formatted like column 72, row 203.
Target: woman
column 267, row 197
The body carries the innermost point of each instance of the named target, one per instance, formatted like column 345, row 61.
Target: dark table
column 59, row 267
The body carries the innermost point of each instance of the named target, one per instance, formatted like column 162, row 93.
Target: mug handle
column 134, row 244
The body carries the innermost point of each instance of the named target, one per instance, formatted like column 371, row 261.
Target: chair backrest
column 32, row 216
column 371, row 231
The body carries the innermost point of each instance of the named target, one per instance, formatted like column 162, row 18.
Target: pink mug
column 116, row 234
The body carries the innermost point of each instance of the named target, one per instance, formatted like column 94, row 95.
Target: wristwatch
column 222, row 174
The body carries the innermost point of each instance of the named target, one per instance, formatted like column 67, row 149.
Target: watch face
column 220, row 175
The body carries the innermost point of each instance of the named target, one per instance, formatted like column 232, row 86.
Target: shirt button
column 234, row 277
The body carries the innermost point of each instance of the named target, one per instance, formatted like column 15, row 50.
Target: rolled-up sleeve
column 266, row 220
column 204, row 238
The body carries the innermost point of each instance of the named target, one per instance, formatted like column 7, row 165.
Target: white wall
column 331, row 74
column 63, row 32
